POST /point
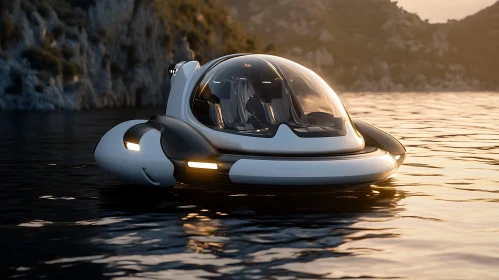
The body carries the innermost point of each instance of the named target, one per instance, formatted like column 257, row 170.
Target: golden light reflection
column 204, row 231
column 205, row 246
column 200, row 224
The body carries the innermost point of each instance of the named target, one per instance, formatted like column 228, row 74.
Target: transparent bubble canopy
column 255, row 94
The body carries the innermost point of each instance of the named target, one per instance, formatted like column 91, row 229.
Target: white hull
column 150, row 166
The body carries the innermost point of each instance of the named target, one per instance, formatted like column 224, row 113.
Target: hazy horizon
column 442, row 10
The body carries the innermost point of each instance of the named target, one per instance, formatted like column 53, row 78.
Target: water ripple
column 437, row 218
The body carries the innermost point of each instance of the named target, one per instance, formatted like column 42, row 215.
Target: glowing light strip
column 132, row 146
column 204, row 165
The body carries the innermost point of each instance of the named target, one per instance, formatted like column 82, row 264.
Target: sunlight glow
column 443, row 10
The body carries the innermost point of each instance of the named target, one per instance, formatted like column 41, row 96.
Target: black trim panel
column 178, row 139
column 181, row 141
column 313, row 156
column 376, row 137
column 134, row 133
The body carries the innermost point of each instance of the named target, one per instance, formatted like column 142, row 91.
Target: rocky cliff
column 77, row 54
column 373, row 45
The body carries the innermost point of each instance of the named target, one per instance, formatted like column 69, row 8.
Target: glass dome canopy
column 254, row 94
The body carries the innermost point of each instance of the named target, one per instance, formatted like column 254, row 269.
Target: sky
column 441, row 10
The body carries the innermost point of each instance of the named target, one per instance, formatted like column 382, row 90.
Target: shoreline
column 163, row 106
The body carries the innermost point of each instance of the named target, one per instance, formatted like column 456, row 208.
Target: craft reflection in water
column 218, row 224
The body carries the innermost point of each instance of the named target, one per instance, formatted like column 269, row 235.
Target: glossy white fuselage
column 150, row 165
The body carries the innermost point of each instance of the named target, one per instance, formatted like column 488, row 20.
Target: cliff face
column 57, row 54
column 77, row 54
column 373, row 45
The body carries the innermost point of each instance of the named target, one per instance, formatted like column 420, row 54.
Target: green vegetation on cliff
column 208, row 27
column 76, row 54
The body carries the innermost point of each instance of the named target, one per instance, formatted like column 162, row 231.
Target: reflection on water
column 62, row 217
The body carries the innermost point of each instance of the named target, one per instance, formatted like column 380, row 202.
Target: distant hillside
column 476, row 39
column 76, row 54
column 373, row 45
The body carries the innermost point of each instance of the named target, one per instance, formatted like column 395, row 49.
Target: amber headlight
column 132, row 146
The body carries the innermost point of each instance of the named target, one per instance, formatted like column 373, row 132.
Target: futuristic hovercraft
column 249, row 119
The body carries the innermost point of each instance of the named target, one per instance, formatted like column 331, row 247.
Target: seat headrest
column 224, row 92
column 272, row 89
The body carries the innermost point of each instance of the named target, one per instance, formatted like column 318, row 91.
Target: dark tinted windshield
column 256, row 93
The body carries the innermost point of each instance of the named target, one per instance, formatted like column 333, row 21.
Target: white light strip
column 204, row 165
column 132, row 146
column 266, row 82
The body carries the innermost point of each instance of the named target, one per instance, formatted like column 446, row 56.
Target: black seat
column 256, row 107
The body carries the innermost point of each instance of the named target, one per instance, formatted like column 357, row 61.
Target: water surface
column 61, row 217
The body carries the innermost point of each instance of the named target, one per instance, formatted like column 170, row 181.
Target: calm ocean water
column 61, row 217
